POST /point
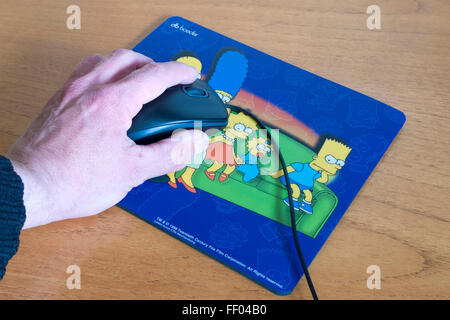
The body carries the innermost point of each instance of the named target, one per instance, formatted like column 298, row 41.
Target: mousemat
column 235, row 209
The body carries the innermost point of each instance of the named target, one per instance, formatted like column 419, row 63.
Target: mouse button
column 195, row 91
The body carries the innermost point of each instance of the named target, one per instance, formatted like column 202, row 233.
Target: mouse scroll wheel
column 195, row 92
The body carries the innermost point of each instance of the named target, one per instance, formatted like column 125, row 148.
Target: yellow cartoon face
column 240, row 126
column 331, row 156
column 259, row 147
column 193, row 62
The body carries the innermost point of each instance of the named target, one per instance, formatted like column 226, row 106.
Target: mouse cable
column 291, row 201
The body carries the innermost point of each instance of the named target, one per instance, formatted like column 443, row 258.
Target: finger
column 171, row 154
column 119, row 64
column 86, row 66
column 150, row 81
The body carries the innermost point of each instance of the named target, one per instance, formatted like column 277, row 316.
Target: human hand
column 76, row 159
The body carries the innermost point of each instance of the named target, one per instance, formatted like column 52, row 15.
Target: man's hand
column 76, row 160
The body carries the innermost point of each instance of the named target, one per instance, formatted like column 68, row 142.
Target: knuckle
column 103, row 95
column 120, row 52
column 75, row 87
column 150, row 60
column 178, row 67
column 161, row 72
column 93, row 58
column 155, row 67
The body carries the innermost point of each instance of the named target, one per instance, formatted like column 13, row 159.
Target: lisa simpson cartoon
column 221, row 148
column 329, row 160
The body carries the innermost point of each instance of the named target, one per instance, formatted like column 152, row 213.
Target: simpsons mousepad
column 235, row 208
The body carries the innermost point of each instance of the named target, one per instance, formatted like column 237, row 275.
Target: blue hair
column 229, row 72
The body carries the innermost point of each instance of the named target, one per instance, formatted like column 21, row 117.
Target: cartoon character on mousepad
column 231, row 201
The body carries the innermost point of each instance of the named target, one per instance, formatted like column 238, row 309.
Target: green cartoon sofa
column 264, row 194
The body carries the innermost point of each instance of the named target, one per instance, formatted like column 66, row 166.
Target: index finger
column 151, row 80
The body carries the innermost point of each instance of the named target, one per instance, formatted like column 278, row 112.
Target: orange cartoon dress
column 221, row 151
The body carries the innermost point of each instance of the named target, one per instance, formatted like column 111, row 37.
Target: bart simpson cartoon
column 221, row 148
column 258, row 147
column 330, row 158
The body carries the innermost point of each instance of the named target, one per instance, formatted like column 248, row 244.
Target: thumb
column 172, row 154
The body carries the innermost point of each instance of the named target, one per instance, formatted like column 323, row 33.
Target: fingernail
column 194, row 71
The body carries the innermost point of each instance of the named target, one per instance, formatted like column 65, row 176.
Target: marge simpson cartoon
column 329, row 160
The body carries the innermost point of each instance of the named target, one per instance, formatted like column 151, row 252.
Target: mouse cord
column 291, row 201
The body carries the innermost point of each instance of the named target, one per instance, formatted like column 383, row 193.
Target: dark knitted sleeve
column 12, row 212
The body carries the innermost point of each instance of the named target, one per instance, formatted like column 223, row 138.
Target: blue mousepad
column 234, row 208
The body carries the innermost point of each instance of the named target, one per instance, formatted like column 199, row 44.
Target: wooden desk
column 399, row 221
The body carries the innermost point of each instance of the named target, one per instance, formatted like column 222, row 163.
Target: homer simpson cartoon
column 221, row 148
column 329, row 160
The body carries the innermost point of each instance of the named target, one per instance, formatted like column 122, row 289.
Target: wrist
column 35, row 196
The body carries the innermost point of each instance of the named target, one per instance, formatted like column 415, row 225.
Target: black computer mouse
column 178, row 108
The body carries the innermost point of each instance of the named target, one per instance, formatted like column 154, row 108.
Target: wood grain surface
column 399, row 221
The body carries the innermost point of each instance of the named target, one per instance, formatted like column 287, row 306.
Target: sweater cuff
column 12, row 212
